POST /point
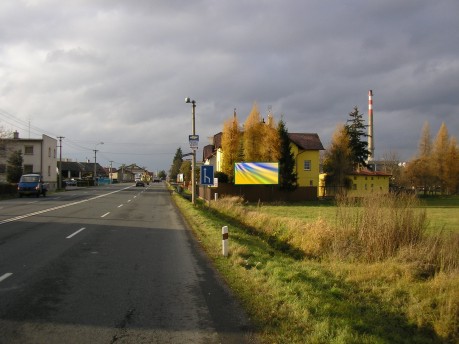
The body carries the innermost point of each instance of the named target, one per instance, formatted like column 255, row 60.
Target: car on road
column 156, row 180
column 71, row 182
column 32, row 184
column 139, row 183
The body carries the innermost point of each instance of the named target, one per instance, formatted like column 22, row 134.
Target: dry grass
column 379, row 243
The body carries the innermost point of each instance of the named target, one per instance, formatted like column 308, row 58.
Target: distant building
column 39, row 156
column 363, row 183
column 80, row 170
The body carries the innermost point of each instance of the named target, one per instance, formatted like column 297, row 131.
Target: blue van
column 32, row 184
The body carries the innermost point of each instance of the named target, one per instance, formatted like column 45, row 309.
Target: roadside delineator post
column 215, row 196
column 225, row 241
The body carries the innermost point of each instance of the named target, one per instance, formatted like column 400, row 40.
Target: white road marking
column 78, row 231
column 120, row 205
column 5, row 276
column 129, row 201
column 105, row 214
column 20, row 217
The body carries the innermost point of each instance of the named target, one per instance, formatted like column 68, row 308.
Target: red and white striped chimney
column 371, row 146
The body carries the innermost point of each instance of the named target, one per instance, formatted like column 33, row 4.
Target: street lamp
column 193, row 161
column 95, row 161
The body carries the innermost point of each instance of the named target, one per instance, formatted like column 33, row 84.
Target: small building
column 80, row 170
column 39, row 156
column 364, row 182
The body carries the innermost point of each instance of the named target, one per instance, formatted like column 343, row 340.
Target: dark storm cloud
column 119, row 71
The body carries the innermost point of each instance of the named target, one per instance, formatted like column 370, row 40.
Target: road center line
column 78, row 231
column 105, row 214
column 120, row 205
column 20, row 217
column 5, row 276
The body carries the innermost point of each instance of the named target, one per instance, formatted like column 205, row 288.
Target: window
column 28, row 169
column 49, row 152
column 354, row 186
column 49, row 171
column 355, row 177
column 28, row 150
column 366, row 188
column 311, row 183
column 307, row 165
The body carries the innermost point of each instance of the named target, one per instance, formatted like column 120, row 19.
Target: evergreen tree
column 356, row 131
column 287, row 175
column 14, row 167
column 176, row 164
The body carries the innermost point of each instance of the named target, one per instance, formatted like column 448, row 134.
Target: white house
column 39, row 155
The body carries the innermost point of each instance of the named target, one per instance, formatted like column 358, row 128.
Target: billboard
column 256, row 173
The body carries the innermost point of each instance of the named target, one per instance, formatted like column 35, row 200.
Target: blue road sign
column 207, row 175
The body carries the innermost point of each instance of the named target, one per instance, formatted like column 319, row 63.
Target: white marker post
column 225, row 241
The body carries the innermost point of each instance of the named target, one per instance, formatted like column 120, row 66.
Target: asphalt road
column 112, row 264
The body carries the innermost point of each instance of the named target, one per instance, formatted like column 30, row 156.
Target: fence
column 262, row 193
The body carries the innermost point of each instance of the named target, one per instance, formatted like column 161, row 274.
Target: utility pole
column 111, row 179
column 60, row 160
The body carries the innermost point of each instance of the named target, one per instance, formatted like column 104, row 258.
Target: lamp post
column 193, row 161
column 95, row 161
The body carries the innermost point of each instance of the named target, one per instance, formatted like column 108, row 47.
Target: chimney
column 16, row 135
column 371, row 146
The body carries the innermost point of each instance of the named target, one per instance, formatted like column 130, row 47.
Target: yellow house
column 363, row 183
column 306, row 149
column 304, row 146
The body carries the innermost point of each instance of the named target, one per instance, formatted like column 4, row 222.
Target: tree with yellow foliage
column 270, row 144
column 452, row 168
column 231, row 137
column 338, row 162
column 253, row 136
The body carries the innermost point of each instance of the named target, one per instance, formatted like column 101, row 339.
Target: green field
column 442, row 212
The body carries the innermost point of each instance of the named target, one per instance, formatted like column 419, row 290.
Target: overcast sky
column 117, row 71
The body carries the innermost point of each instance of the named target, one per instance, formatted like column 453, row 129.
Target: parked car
column 139, row 183
column 32, row 184
column 71, row 182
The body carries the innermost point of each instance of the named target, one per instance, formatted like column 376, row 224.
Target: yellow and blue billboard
column 256, row 173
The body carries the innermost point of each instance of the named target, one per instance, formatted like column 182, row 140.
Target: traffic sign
column 207, row 175
column 194, row 141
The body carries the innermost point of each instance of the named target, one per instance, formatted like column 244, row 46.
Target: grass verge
column 293, row 297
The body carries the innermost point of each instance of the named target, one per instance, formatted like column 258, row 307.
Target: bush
column 222, row 177
column 8, row 189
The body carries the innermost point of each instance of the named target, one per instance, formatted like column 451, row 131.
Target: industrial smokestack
column 371, row 146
